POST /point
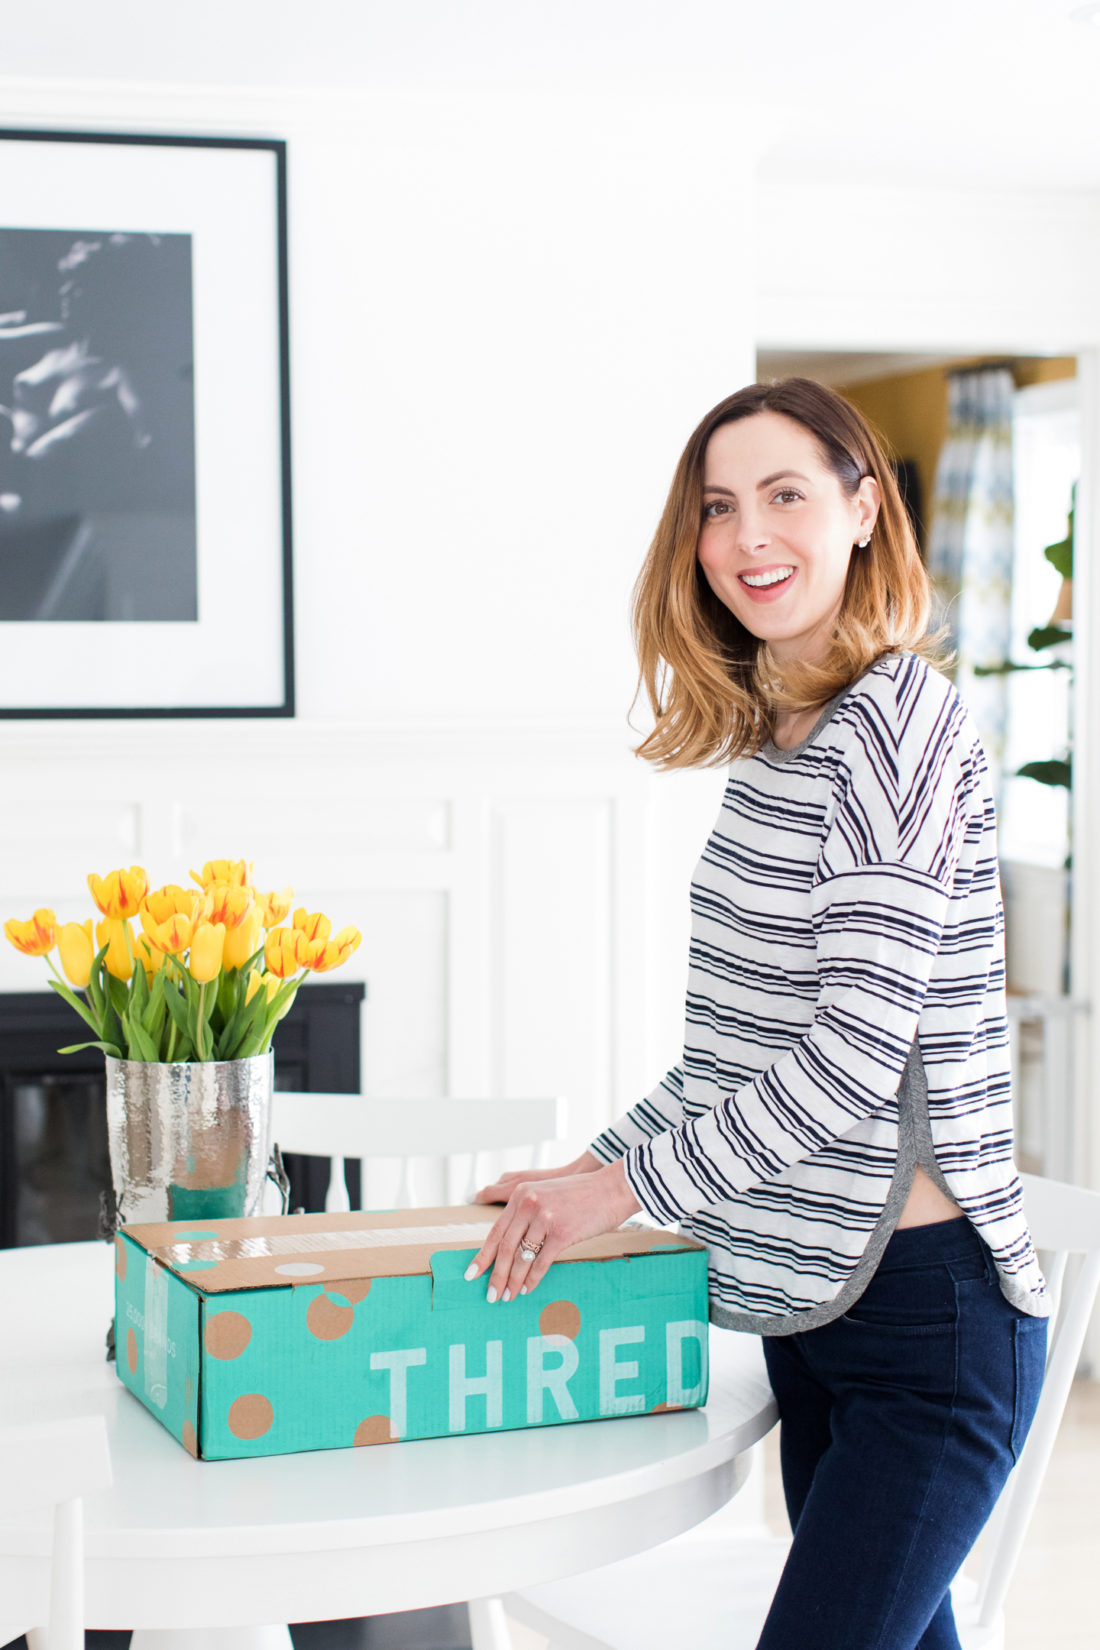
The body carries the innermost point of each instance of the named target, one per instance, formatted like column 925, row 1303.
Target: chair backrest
column 339, row 1126
column 54, row 1464
column 1064, row 1221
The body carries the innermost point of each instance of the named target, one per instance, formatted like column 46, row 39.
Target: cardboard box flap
column 280, row 1251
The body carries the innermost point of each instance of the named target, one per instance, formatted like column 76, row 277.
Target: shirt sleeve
column 663, row 1109
column 895, row 830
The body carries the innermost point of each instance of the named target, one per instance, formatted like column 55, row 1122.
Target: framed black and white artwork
column 145, row 529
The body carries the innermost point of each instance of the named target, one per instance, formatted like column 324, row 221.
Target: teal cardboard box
column 273, row 1334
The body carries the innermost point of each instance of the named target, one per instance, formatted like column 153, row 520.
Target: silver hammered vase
column 189, row 1140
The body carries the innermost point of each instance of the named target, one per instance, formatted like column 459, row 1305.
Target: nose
column 752, row 531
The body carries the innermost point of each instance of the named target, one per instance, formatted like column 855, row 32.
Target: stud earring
column 863, row 543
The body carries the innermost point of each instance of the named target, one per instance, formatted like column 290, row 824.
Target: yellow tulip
column 148, row 955
column 120, row 893
column 276, row 906
column 312, row 924
column 174, row 935
column 238, row 871
column 226, row 902
column 282, row 951
column 157, row 907
column 35, row 937
column 241, row 942
column 76, row 949
column 321, row 955
column 269, row 982
column 207, row 945
column 114, row 933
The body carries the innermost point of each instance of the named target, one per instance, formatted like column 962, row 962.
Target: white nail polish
column 507, row 1295
column 523, row 1291
column 491, row 1296
column 471, row 1271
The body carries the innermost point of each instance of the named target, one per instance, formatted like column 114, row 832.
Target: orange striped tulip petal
column 120, row 893
column 313, row 924
column 276, row 907
column 166, row 902
column 330, row 954
column 238, row 871
column 283, row 952
column 35, row 937
column 207, row 945
column 76, row 948
column 148, row 955
column 228, row 903
column 174, row 935
column 114, row 933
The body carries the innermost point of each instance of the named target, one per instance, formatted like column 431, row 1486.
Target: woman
column 839, row 1129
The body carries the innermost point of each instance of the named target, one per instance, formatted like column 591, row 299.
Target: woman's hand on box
column 501, row 1190
column 549, row 1213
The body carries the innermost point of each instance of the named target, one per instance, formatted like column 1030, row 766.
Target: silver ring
column 529, row 1251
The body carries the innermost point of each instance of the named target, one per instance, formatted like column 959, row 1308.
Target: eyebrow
column 780, row 475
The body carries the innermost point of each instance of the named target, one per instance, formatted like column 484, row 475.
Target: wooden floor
column 1052, row 1602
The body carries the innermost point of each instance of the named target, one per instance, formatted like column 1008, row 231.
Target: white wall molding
column 951, row 271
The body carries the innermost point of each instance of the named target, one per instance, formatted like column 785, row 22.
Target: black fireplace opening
column 55, row 1173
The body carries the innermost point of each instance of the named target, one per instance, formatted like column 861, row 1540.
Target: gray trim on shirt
column 776, row 753
column 913, row 1086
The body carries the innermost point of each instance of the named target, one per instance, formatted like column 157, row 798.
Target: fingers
column 522, row 1223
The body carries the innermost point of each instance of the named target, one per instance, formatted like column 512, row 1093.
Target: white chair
column 715, row 1594
column 52, row 1465
column 340, row 1126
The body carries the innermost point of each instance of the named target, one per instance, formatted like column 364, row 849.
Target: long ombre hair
column 716, row 689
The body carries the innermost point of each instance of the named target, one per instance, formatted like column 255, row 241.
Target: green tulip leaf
column 139, row 991
column 95, row 983
column 82, row 1009
column 177, row 1007
column 141, row 1040
column 105, row 1048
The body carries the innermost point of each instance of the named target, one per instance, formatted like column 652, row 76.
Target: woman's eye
column 715, row 508
column 787, row 495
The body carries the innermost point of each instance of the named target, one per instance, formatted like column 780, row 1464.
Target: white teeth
column 756, row 580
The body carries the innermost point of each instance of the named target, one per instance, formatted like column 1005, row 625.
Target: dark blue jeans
column 900, row 1423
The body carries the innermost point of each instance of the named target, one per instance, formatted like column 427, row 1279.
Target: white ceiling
column 973, row 92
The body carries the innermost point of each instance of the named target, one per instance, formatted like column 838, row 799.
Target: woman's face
column 772, row 506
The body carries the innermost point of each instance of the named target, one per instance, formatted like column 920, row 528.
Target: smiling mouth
column 765, row 581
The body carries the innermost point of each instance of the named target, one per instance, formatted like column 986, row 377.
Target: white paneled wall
column 518, row 936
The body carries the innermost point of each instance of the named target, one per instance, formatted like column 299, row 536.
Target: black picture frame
column 145, row 478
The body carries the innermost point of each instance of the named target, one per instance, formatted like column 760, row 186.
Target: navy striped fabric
column 846, row 907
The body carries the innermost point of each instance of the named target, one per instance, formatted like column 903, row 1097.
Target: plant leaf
column 81, row 1008
column 141, row 1041
column 107, row 1048
column 243, row 1031
column 1050, row 635
column 1054, row 772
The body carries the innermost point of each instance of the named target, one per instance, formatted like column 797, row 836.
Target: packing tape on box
column 156, row 1333
column 469, row 1233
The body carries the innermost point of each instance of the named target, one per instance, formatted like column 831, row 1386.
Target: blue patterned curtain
column 970, row 546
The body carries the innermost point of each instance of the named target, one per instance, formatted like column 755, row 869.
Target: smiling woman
column 838, row 1130
column 780, row 475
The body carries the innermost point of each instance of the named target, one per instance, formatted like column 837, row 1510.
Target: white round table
column 192, row 1546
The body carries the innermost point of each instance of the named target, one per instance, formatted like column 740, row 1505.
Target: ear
column 868, row 499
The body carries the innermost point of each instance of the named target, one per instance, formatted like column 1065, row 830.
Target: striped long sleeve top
column 846, row 1015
